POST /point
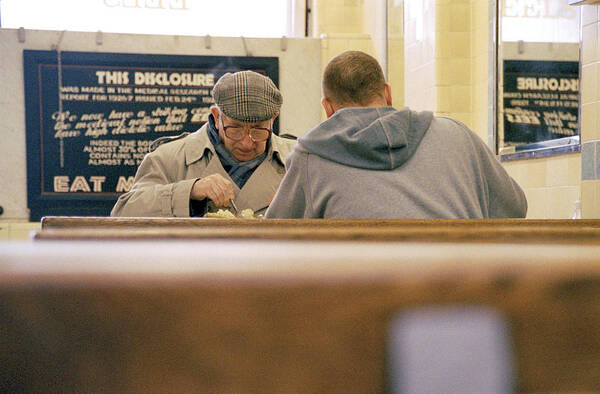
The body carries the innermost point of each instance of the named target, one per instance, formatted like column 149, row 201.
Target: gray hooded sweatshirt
column 383, row 163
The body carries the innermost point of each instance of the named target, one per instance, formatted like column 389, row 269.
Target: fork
column 235, row 208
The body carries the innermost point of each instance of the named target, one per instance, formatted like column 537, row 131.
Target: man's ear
column 215, row 113
column 272, row 120
column 388, row 94
column 328, row 107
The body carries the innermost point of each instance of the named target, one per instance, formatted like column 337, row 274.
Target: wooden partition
column 279, row 316
column 390, row 230
column 339, row 231
column 54, row 222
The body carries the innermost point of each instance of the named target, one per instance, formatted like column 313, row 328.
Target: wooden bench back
column 240, row 316
column 48, row 222
column 504, row 233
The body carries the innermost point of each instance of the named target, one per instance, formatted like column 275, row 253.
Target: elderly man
column 369, row 160
column 233, row 157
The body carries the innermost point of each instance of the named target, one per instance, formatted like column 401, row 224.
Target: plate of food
column 227, row 214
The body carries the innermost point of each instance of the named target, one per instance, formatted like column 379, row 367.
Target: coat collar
column 198, row 145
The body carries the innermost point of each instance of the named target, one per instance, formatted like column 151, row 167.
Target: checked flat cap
column 247, row 96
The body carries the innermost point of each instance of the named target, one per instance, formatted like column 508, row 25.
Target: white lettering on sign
column 173, row 79
column 97, row 182
column 112, row 77
column 552, row 84
column 62, row 184
column 146, row 78
column 79, row 184
column 124, row 184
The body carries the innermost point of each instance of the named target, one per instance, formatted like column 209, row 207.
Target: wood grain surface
column 278, row 316
column 48, row 222
column 505, row 233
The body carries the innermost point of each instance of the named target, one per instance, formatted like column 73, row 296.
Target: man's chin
column 244, row 157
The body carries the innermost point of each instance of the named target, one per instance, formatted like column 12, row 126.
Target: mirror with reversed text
column 538, row 78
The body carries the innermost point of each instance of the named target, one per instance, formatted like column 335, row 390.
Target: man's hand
column 215, row 188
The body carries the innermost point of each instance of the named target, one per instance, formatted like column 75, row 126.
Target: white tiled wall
column 590, row 110
column 447, row 60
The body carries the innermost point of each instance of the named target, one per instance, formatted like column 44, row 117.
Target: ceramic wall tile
column 574, row 172
column 537, row 202
column 589, row 46
column 588, row 160
column 460, row 98
column 443, row 17
column 561, row 201
column 589, row 83
column 459, row 72
column 590, row 203
column 460, row 44
column 536, row 173
column 460, row 17
column 589, row 122
column 589, row 14
column 480, row 70
column 557, row 173
column 442, row 45
column 479, row 14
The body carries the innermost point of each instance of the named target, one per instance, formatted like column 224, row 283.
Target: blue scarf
column 238, row 171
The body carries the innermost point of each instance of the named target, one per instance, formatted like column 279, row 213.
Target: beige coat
column 164, row 180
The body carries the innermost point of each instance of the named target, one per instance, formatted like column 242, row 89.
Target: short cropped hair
column 353, row 77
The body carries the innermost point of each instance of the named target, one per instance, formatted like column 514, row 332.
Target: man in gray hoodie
column 369, row 160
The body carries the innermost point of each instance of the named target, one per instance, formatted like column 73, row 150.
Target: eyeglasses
column 237, row 133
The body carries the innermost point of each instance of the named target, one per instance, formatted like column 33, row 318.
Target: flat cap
column 247, row 96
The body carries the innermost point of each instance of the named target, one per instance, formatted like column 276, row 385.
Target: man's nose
column 247, row 141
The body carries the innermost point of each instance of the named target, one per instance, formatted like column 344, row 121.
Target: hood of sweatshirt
column 379, row 138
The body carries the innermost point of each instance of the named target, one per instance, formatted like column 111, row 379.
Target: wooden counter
column 390, row 230
column 504, row 233
column 278, row 315
column 48, row 222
